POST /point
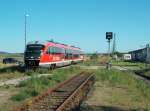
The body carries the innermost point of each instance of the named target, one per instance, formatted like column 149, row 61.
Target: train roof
column 36, row 42
column 50, row 42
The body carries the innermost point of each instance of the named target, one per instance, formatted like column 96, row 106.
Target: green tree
column 94, row 56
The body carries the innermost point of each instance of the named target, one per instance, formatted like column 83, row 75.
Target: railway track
column 66, row 96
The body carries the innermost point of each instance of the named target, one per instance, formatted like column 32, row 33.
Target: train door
column 46, row 57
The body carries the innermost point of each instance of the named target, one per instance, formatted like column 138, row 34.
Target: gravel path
column 120, row 68
column 92, row 67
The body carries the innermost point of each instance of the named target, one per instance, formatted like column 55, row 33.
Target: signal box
column 109, row 35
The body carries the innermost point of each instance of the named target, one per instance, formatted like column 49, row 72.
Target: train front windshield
column 34, row 51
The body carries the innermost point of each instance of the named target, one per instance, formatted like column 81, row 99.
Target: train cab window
column 34, row 47
column 34, row 50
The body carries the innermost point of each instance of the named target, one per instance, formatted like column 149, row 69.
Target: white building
column 127, row 57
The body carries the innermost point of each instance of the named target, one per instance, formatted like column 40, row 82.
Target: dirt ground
column 108, row 98
column 4, row 96
column 5, row 102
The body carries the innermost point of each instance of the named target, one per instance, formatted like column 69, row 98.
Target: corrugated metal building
column 142, row 55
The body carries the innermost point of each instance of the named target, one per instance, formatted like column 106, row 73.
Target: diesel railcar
column 51, row 54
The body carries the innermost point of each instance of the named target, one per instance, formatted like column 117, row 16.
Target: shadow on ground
column 22, row 69
column 12, row 69
column 107, row 108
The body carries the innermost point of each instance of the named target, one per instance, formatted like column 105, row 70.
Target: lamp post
column 25, row 28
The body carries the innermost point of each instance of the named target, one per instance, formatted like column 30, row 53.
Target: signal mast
column 109, row 36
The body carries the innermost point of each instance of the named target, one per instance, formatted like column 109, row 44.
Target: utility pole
column 114, row 44
column 147, row 53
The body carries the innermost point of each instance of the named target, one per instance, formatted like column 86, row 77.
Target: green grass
column 122, row 89
column 11, row 55
column 32, row 87
column 126, row 80
column 12, row 71
column 104, row 59
column 37, row 71
column 36, row 85
column 147, row 73
column 90, row 62
column 129, row 63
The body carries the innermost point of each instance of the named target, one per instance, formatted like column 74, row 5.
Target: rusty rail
column 66, row 96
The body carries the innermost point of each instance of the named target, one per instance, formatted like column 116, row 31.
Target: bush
column 20, row 96
column 94, row 56
column 103, row 60
column 32, row 87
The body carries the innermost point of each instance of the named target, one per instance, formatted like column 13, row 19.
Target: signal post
column 109, row 36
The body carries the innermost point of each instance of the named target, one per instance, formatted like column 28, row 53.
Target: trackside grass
column 10, row 71
column 36, row 85
column 147, row 74
column 123, row 90
column 96, row 61
column 126, row 79
column 138, row 65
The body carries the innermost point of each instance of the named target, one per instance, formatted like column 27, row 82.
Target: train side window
column 68, row 54
column 58, row 50
column 63, row 51
column 52, row 50
column 55, row 50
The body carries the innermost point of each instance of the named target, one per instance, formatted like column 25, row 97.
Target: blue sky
column 82, row 23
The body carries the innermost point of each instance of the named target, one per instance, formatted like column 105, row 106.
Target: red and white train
column 51, row 54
